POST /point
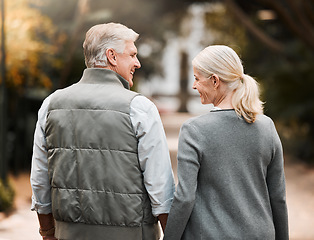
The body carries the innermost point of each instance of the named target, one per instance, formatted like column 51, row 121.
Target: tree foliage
column 281, row 53
column 31, row 46
column 44, row 46
column 6, row 196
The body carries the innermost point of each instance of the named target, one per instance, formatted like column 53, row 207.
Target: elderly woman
column 230, row 160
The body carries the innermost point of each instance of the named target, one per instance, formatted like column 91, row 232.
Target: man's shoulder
column 142, row 103
column 61, row 91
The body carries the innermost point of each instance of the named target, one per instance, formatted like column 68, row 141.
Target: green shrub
column 6, row 196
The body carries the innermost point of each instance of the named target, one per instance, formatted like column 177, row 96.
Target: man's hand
column 49, row 238
column 163, row 220
column 47, row 223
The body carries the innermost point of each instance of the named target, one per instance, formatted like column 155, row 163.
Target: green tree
column 32, row 44
column 32, row 57
column 281, row 53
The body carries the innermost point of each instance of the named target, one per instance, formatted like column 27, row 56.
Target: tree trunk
column 258, row 33
column 183, row 94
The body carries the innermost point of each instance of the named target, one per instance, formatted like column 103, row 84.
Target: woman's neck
column 225, row 106
column 225, row 102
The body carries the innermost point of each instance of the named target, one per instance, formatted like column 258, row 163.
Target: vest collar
column 103, row 76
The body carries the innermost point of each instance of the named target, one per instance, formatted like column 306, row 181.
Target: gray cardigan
column 231, row 180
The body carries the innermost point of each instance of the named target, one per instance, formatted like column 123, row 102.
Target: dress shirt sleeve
column 277, row 188
column 41, row 196
column 185, row 195
column 153, row 154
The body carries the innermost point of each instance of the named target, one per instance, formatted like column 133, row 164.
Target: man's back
column 92, row 153
column 107, row 174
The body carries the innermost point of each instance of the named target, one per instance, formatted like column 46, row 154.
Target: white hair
column 226, row 64
column 101, row 37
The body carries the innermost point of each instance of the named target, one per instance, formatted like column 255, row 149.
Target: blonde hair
column 226, row 64
column 101, row 37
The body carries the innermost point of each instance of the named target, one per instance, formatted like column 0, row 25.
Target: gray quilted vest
column 97, row 187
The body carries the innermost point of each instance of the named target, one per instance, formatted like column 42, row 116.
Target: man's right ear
column 111, row 56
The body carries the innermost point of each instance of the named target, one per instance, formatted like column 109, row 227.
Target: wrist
column 47, row 232
column 49, row 238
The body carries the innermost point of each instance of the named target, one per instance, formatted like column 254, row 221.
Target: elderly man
column 101, row 166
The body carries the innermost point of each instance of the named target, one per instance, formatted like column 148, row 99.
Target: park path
column 22, row 223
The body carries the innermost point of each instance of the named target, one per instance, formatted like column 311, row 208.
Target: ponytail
column 245, row 99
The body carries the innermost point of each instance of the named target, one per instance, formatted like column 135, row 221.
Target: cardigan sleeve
column 276, row 188
column 188, row 168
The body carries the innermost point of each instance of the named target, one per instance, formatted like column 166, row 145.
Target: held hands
column 163, row 220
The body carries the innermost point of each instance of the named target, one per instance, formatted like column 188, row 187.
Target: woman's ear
column 216, row 81
column 111, row 56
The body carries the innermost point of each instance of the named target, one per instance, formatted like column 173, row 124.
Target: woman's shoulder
column 219, row 117
column 208, row 118
column 264, row 119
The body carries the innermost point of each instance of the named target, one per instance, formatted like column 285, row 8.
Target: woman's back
column 230, row 161
column 226, row 166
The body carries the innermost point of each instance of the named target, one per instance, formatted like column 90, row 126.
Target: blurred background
column 41, row 51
